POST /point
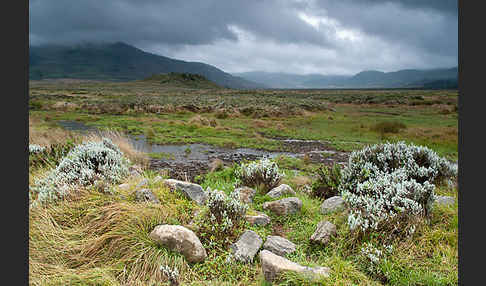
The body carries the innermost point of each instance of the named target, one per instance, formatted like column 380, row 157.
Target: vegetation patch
column 82, row 166
column 388, row 186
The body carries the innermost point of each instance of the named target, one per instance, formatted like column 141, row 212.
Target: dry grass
column 45, row 136
column 260, row 123
column 300, row 181
column 203, row 121
column 122, row 141
column 94, row 239
column 216, row 165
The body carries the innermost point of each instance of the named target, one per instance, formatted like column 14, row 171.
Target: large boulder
column 273, row 265
column 260, row 219
column 246, row 247
column 145, row 195
column 180, row 239
column 279, row 245
column 323, row 232
column 332, row 204
column 245, row 194
column 281, row 190
column 284, row 206
column 193, row 191
column 444, row 200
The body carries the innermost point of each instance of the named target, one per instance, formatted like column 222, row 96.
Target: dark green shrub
column 327, row 183
column 388, row 127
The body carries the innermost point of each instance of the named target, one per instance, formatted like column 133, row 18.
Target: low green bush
column 327, row 183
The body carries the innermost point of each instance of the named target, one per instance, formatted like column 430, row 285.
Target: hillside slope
column 117, row 61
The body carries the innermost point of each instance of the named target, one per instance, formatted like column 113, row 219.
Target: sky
column 289, row 36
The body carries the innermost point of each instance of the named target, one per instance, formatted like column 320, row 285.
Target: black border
column 15, row 114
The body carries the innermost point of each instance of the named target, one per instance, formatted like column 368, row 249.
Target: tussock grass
column 122, row 141
column 103, row 240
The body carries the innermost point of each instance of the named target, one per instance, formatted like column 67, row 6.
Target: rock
column 245, row 194
column 323, row 232
column 284, row 206
column 135, row 171
column 145, row 195
column 332, row 204
column 246, row 247
column 142, row 183
column 193, row 191
column 261, row 219
column 281, row 190
column 180, row 239
column 274, row 265
column 157, row 179
column 124, row 187
column 444, row 200
column 279, row 245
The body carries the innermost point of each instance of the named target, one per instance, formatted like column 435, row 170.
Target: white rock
column 284, row 206
column 180, row 239
column 279, row 245
column 323, row 232
column 246, row 247
column 281, row 190
column 190, row 190
column 273, row 265
column 332, row 204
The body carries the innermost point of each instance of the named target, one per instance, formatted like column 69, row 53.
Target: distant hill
column 181, row 80
column 118, row 61
column 432, row 78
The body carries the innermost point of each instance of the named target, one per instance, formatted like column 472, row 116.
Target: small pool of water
column 185, row 152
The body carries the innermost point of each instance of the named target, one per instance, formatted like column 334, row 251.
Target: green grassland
column 92, row 238
column 169, row 113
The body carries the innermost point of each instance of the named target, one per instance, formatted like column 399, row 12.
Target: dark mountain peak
column 117, row 61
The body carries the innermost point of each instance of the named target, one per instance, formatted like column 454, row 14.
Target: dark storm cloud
column 429, row 25
column 308, row 35
column 169, row 22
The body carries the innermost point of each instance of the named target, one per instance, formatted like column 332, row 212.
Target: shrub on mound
column 222, row 214
column 390, row 183
column 263, row 173
column 327, row 183
column 82, row 166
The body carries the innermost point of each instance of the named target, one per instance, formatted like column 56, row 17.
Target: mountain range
column 410, row 78
column 122, row 62
column 118, row 61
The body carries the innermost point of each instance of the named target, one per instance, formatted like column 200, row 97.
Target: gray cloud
column 267, row 35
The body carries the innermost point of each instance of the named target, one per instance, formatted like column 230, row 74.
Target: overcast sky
column 304, row 36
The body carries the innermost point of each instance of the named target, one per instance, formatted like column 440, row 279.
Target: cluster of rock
column 272, row 257
column 275, row 249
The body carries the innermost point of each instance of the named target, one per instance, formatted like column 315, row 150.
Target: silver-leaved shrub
column 263, row 173
column 82, row 166
column 385, row 184
column 34, row 149
column 225, row 212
